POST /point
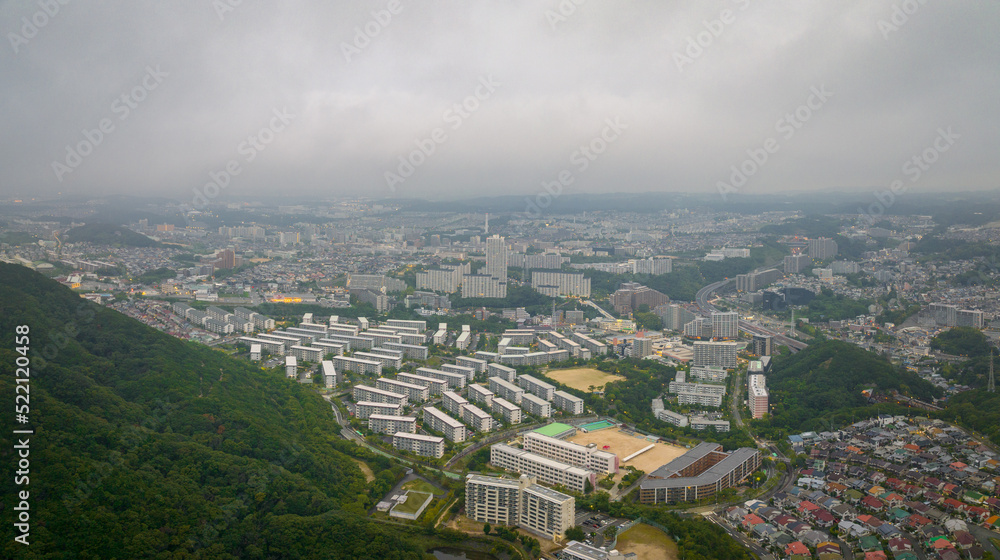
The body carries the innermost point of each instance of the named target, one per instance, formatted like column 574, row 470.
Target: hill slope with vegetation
column 107, row 234
column 824, row 384
column 147, row 446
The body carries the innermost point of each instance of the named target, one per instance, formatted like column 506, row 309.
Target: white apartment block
column 488, row 356
column 702, row 399
column 722, row 354
column 520, row 337
column 255, row 352
column 468, row 372
column 380, row 337
column 365, row 409
column 420, row 326
column 533, row 358
column 371, row 394
column 521, row 502
column 453, row 402
column 725, row 324
column 415, row 393
column 711, row 374
column 436, row 386
column 501, row 371
column 390, row 352
column 440, row 280
column 671, row 417
column 462, row 340
column 270, row 345
column 357, row 365
column 567, row 402
column 480, row 394
column 596, row 348
column 438, row 421
column 307, row 353
column 699, row 388
column 387, row 424
column 386, row 361
column 547, row 470
column 419, row 444
column 441, row 335
column 476, row 364
column 758, row 395
column 503, row 388
column 411, row 351
column 483, row 286
column 536, row 386
column 337, row 349
column 546, row 512
column 507, row 410
column 355, row 342
column 493, row 500
column 291, row 367
column 454, row 380
column 329, row 374
column 477, row 418
column 702, row 423
column 584, row 456
column 536, row 406
column 557, row 284
column 351, row 330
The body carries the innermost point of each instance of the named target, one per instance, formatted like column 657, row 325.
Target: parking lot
column 597, row 523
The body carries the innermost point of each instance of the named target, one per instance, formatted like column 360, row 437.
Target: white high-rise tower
column 496, row 257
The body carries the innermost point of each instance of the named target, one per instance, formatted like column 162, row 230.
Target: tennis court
column 599, row 425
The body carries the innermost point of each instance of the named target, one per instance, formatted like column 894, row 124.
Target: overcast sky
column 199, row 77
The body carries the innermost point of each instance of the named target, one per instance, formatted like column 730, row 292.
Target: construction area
column 624, row 444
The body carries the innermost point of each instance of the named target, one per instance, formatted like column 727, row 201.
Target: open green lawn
column 413, row 502
column 420, row 485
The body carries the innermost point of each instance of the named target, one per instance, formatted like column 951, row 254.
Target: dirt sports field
column 647, row 543
column 624, row 445
column 582, row 378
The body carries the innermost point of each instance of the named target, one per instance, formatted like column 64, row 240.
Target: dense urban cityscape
column 517, row 280
column 521, row 368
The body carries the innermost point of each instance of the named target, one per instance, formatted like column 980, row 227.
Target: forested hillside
column 146, row 446
column 823, row 383
column 107, row 234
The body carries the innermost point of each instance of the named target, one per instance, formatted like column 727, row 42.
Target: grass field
column 647, row 542
column 413, row 502
column 624, row 445
column 419, row 485
column 582, row 378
